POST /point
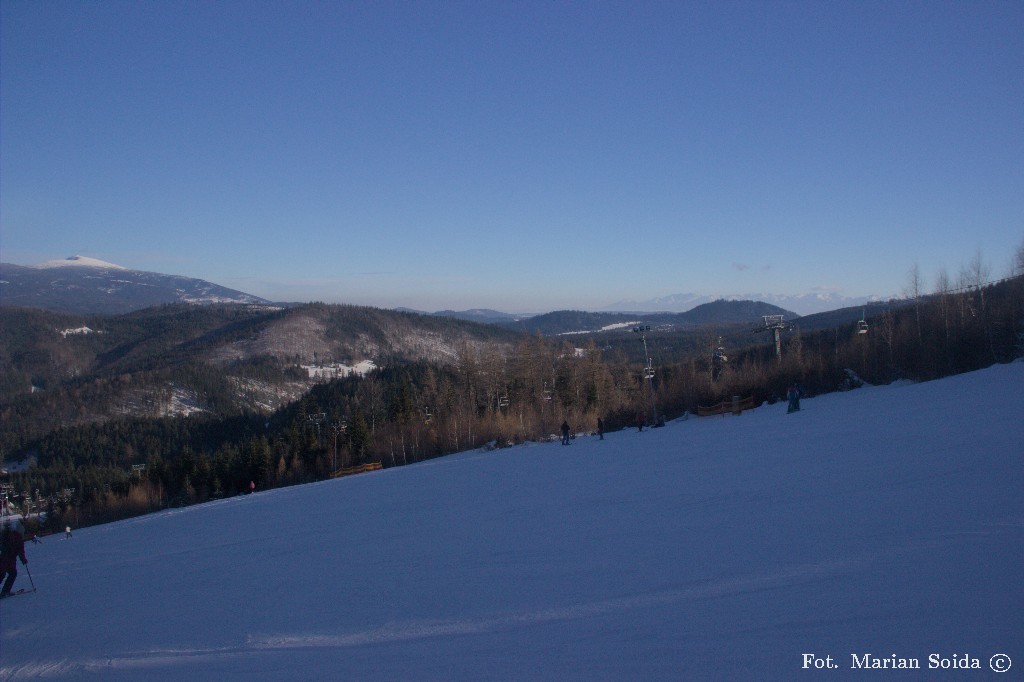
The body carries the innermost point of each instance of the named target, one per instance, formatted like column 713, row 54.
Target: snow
column 607, row 328
column 79, row 261
column 183, row 402
column 339, row 370
column 84, row 331
column 879, row 524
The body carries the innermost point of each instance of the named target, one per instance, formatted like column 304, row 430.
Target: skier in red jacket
column 12, row 546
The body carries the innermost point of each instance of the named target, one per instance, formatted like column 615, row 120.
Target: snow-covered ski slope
column 885, row 521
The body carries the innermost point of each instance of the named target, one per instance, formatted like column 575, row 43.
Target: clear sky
column 524, row 156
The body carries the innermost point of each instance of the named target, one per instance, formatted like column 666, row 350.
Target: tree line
column 501, row 394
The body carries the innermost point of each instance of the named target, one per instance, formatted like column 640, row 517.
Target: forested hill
column 59, row 369
column 719, row 312
column 224, row 360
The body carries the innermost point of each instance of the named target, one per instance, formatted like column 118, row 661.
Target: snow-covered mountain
column 87, row 285
column 79, row 261
column 803, row 304
column 845, row 539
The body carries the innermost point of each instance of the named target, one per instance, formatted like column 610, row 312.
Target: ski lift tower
column 316, row 420
column 774, row 324
column 337, row 428
column 718, row 360
column 6, row 491
column 648, row 370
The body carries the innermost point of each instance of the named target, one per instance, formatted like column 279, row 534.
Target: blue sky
column 524, row 156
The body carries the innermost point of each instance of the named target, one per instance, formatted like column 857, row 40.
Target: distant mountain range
column 723, row 310
column 802, row 304
column 718, row 312
column 89, row 286
column 481, row 315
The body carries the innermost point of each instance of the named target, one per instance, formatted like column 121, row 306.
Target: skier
column 67, row 532
column 12, row 547
column 600, row 428
column 565, row 433
column 639, row 421
column 793, row 395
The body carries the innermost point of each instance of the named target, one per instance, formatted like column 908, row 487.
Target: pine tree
column 358, row 437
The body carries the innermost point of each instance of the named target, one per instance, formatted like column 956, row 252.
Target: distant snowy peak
column 803, row 304
column 81, row 262
column 809, row 304
column 673, row 303
column 88, row 285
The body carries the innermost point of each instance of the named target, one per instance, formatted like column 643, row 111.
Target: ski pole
column 33, row 582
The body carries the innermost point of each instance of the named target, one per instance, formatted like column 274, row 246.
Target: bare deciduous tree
column 914, row 292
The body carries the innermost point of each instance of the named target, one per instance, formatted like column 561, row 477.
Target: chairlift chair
column 862, row 326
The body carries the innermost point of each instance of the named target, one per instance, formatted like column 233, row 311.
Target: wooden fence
column 735, row 406
column 362, row 468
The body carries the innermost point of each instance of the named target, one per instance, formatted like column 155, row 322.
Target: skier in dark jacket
column 12, row 547
column 793, row 395
column 565, row 433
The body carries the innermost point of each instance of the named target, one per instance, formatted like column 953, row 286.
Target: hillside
column 89, row 286
column 62, row 369
column 883, row 524
column 800, row 304
column 719, row 312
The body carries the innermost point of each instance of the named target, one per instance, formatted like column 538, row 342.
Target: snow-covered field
column 884, row 525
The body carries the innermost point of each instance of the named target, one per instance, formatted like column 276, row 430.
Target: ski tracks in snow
column 405, row 631
column 399, row 631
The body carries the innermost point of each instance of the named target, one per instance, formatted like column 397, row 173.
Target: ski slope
column 886, row 522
